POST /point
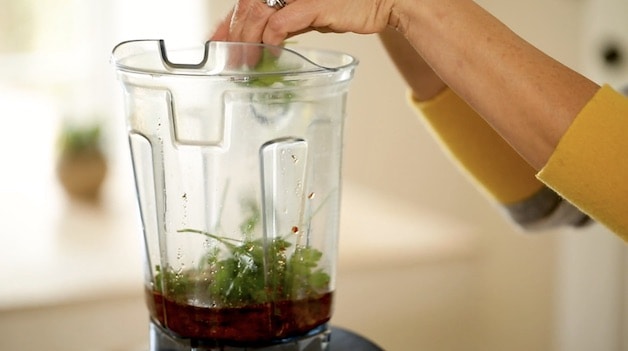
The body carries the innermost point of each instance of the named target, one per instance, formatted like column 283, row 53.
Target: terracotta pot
column 82, row 173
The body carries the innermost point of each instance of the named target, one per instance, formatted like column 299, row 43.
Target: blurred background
column 426, row 261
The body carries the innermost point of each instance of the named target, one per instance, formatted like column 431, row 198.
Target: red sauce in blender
column 251, row 324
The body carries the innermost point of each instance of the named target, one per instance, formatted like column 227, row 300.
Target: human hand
column 254, row 21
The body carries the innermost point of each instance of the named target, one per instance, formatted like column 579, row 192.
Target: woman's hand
column 254, row 21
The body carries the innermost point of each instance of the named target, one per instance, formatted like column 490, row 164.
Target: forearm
column 424, row 83
column 529, row 98
column 493, row 165
column 490, row 161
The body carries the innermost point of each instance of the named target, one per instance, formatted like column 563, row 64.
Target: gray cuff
column 544, row 210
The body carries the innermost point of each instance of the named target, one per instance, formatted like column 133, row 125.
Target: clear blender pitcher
column 236, row 152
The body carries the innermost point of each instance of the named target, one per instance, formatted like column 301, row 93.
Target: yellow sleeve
column 590, row 165
column 491, row 163
column 488, row 159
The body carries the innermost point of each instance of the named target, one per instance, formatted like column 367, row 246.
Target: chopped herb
column 268, row 65
column 237, row 273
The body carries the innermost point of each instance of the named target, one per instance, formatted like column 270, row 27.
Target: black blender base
column 323, row 338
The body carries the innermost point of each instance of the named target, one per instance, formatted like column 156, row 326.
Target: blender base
column 316, row 340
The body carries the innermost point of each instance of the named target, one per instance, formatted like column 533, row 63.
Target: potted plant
column 81, row 165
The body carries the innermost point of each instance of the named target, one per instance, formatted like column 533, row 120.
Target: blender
column 236, row 151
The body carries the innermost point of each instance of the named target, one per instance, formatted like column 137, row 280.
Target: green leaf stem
column 237, row 273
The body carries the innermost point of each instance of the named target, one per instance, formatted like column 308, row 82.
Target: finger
column 298, row 17
column 248, row 21
column 364, row 17
column 222, row 30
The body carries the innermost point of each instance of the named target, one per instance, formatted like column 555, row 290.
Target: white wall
column 592, row 309
column 605, row 26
